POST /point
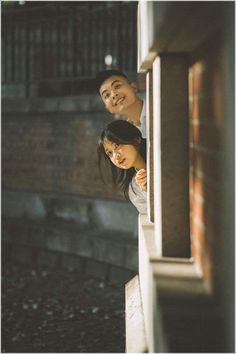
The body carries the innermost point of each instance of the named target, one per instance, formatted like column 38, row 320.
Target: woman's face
column 122, row 155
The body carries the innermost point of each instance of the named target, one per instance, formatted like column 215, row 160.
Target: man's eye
column 106, row 96
column 117, row 86
column 116, row 146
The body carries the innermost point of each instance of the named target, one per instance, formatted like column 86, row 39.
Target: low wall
column 103, row 230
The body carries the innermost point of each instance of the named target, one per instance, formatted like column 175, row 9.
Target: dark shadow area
column 47, row 310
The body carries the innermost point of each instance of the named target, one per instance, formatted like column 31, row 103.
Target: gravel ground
column 45, row 311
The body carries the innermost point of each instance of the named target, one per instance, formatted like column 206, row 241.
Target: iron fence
column 58, row 47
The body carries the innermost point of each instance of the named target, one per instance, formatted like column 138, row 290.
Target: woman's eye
column 117, row 86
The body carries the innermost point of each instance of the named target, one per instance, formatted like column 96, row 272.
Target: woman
column 123, row 149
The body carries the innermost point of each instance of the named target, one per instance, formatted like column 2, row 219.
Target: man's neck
column 134, row 112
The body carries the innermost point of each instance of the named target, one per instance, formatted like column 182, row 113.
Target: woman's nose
column 117, row 155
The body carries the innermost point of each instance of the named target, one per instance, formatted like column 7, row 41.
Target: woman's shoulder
column 137, row 196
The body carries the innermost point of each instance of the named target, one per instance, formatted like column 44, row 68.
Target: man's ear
column 106, row 109
column 133, row 84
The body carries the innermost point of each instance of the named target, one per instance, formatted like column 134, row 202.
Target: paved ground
column 60, row 311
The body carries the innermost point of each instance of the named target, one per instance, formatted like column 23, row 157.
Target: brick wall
column 207, row 124
column 49, row 145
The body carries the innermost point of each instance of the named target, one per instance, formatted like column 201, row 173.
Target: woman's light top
column 138, row 197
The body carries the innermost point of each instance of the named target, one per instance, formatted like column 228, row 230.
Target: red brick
column 53, row 156
column 206, row 162
column 206, row 135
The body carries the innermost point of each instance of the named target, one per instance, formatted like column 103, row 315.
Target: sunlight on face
column 122, row 155
column 118, row 94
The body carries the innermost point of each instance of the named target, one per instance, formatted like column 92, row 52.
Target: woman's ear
column 137, row 141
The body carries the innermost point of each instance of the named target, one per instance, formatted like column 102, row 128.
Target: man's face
column 118, row 94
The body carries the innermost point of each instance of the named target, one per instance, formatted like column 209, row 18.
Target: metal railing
column 64, row 44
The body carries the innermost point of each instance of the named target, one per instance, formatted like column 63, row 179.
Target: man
column 120, row 97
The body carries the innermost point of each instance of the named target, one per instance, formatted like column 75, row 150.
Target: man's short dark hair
column 104, row 75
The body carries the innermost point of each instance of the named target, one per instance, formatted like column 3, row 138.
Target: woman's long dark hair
column 120, row 132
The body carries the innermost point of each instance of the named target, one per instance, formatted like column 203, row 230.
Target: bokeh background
column 52, row 117
column 56, row 212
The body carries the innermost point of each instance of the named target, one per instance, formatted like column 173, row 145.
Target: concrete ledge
column 135, row 329
column 147, row 255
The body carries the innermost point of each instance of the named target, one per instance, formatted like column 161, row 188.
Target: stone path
column 60, row 311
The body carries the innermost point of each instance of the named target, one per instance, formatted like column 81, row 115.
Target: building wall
column 208, row 119
column 203, row 306
column 212, row 168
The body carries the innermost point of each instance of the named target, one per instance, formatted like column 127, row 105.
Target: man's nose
column 113, row 94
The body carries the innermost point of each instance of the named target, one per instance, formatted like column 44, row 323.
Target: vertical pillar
column 149, row 122
column 170, row 131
